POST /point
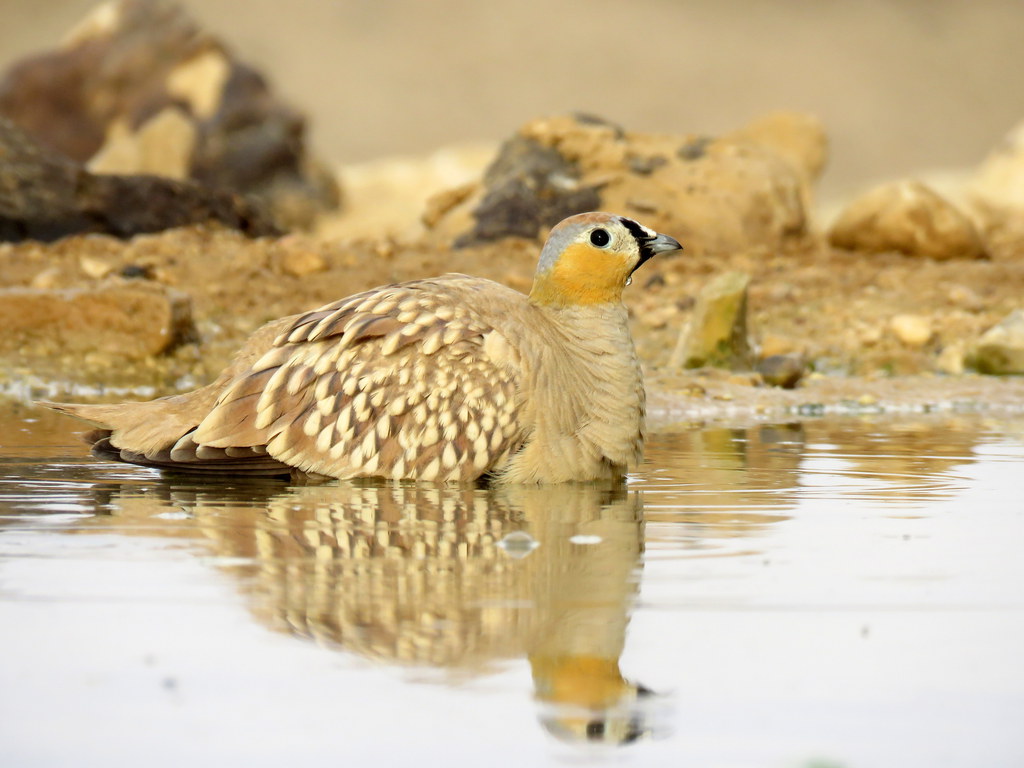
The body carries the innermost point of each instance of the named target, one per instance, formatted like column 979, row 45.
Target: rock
column 46, row 279
column 912, row 330
column 714, row 195
column 908, row 217
column 717, row 332
column 794, row 136
column 783, row 371
column 392, row 197
column 951, row 359
column 45, row 196
column 999, row 181
column 163, row 146
column 965, row 297
column 1000, row 350
column 442, row 203
column 772, row 345
column 134, row 321
column 529, row 188
column 798, row 137
column 995, row 194
column 301, row 262
column 94, row 268
column 869, row 335
column 140, row 88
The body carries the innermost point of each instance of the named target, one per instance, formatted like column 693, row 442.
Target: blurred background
column 903, row 86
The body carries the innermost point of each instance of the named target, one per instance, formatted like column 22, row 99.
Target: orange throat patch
column 582, row 275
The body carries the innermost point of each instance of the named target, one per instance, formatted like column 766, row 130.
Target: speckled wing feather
column 400, row 382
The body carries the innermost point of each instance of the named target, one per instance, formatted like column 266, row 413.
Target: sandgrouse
column 454, row 378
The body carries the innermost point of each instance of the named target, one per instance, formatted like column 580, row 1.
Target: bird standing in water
column 450, row 379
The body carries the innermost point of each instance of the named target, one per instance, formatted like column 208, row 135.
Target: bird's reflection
column 458, row 581
column 453, row 578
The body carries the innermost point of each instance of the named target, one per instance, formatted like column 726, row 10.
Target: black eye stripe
column 638, row 232
column 640, row 235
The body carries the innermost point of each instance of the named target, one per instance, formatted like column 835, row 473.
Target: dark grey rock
column 45, row 196
column 530, row 188
column 145, row 59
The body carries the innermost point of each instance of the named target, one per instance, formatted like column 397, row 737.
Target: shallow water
column 842, row 592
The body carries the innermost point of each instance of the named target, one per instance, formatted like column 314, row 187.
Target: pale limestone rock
column 796, row 136
column 870, row 335
column 717, row 333
column 951, row 359
column 200, row 82
column 911, row 330
column 714, row 195
column 301, row 262
column 102, row 20
column 95, row 268
column 1000, row 350
column 135, row 320
column 965, row 297
column 46, row 279
column 163, row 146
column 908, row 217
column 399, row 196
column 995, row 196
column 999, row 181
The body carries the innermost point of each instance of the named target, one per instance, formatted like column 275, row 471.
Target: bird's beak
column 661, row 244
column 651, row 246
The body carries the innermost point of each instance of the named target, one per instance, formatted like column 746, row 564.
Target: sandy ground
column 903, row 86
column 832, row 307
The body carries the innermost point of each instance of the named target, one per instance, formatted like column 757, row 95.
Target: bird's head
column 588, row 259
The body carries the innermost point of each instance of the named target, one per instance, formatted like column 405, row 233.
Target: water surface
column 843, row 592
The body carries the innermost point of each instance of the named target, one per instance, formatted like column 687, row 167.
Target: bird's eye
column 600, row 238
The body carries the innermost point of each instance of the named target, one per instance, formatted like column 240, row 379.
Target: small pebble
column 870, row 336
column 300, row 263
column 912, row 330
column 951, row 359
column 783, row 371
column 137, row 271
column 46, row 280
column 95, row 268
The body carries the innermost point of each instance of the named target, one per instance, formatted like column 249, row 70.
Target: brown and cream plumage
column 447, row 379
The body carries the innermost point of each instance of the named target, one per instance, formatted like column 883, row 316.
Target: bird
column 451, row 379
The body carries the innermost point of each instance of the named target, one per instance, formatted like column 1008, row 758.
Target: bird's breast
column 584, row 400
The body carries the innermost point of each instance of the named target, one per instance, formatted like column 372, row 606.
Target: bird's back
column 413, row 380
